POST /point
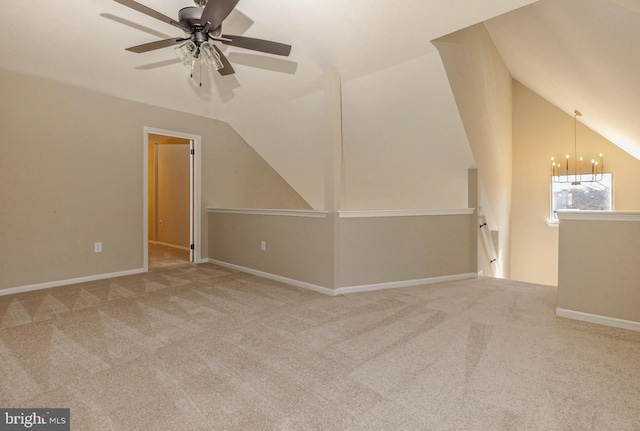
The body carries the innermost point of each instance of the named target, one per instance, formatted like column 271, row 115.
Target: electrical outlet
column 97, row 247
column 263, row 245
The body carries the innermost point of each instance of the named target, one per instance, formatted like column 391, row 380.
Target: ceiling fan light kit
column 186, row 51
column 210, row 57
column 203, row 25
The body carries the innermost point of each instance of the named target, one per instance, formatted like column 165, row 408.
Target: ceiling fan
column 203, row 24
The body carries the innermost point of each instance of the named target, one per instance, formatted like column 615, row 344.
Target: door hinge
column 192, row 247
column 192, row 151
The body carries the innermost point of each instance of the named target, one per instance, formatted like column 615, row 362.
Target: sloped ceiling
column 579, row 54
column 82, row 42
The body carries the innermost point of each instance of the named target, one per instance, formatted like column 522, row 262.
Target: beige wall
column 540, row 130
column 482, row 88
column 298, row 248
column 71, row 168
column 372, row 249
column 377, row 250
column 599, row 272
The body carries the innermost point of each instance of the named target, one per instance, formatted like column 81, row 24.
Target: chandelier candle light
column 560, row 175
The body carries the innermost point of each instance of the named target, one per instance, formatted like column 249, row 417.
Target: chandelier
column 561, row 172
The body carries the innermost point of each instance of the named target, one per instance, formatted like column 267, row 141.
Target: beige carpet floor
column 200, row 347
column 162, row 255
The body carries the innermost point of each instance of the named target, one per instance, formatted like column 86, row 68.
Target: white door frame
column 196, row 176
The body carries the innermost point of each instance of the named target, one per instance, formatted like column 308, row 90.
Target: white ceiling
column 82, row 42
column 578, row 54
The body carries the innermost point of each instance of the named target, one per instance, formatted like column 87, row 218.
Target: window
column 587, row 196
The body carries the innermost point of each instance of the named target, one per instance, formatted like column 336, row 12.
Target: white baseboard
column 344, row 290
column 269, row 276
column 404, row 283
column 50, row 284
column 600, row 320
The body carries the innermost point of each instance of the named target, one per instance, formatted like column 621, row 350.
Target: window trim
column 551, row 222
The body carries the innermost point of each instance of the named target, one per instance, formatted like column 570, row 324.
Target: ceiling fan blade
column 227, row 69
column 146, row 47
column 258, row 45
column 216, row 11
column 152, row 13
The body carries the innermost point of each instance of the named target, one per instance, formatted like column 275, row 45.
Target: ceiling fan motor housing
column 190, row 16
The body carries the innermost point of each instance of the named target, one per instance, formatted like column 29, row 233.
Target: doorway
column 171, row 220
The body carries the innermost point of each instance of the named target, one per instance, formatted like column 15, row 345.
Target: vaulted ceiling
column 82, row 42
column 579, row 54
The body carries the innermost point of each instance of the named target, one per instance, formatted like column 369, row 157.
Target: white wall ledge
column 343, row 214
column 405, row 213
column 599, row 215
column 270, row 212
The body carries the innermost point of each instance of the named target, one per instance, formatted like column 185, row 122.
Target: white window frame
column 553, row 220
